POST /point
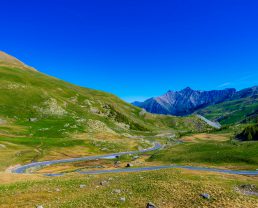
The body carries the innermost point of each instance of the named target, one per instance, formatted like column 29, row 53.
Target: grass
column 166, row 188
column 68, row 120
column 55, row 104
column 211, row 150
column 22, row 150
column 72, row 121
column 232, row 112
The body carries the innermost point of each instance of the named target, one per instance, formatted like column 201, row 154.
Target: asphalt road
column 39, row 165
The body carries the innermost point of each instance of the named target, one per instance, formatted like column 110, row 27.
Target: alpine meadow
column 139, row 104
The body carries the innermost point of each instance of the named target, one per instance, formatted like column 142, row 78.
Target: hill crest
column 11, row 61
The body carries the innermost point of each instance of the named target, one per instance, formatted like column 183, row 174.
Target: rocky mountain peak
column 185, row 101
column 187, row 89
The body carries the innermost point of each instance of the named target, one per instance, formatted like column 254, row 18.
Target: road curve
column 39, row 165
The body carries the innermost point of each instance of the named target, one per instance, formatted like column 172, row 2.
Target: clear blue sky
column 136, row 49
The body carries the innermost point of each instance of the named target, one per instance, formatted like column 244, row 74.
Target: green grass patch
column 213, row 153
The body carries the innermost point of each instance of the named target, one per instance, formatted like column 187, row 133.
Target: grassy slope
column 71, row 121
column 28, row 94
column 207, row 150
column 165, row 188
column 55, row 104
column 231, row 112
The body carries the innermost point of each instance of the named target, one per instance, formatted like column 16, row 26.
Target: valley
column 62, row 145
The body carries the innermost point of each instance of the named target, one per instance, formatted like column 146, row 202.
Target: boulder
column 122, row 199
column 117, row 163
column 205, row 196
column 151, row 205
column 129, row 165
column 82, row 186
column 103, row 183
column 33, row 119
column 117, row 191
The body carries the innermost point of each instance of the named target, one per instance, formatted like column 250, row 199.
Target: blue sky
column 136, row 49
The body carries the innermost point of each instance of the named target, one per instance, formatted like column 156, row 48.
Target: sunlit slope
column 46, row 106
column 241, row 110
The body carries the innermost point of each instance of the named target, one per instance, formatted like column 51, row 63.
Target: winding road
column 39, row 165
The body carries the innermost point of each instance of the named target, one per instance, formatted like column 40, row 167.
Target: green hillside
column 36, row 101
column 250, row 133
column 241, row 110
column 42, row 117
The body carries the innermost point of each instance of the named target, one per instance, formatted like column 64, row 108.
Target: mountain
column 37, row 105
column 184, row 102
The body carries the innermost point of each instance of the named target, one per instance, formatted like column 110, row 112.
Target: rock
column 205, row 196
column 117, row 163
column 33, row 119
column 150, row 205
column 122, row 199
column 95, row 110
column 2, row 121
column 129, row 165
column 103, row 183
column 143, row 112
column 249, row 187
column 58, row 190
column 39, row 206
column 82, row 186
column 2, row 146
column 136, row 157
column 117, row 191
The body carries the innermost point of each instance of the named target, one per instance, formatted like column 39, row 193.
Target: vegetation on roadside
column 210, row 151
column 250, row 133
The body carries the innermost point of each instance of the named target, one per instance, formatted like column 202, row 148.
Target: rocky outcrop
column 248, row 92
column 184, row 102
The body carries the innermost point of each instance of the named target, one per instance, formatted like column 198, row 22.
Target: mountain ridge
column 187, row 100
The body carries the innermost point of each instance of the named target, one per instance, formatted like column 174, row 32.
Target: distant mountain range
column 188, row 101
